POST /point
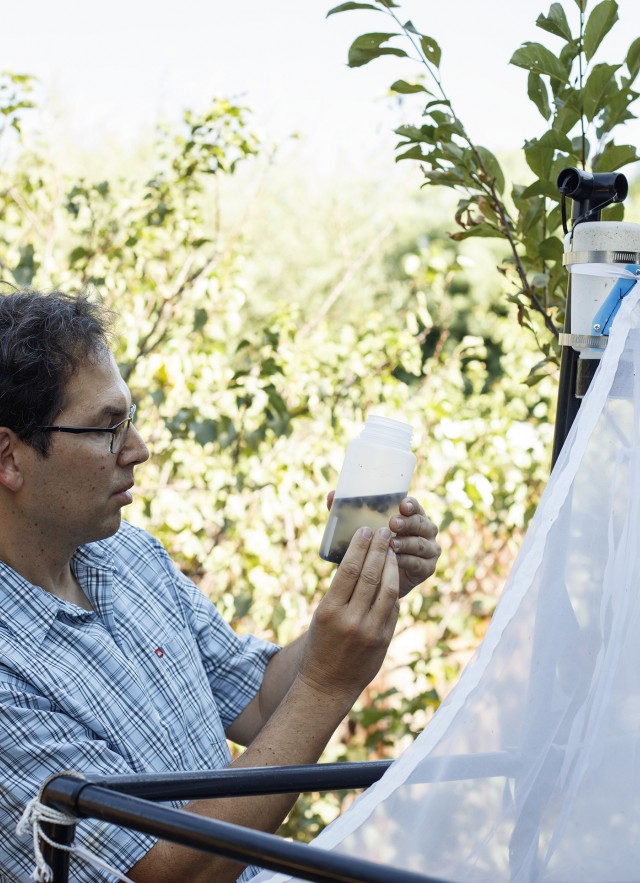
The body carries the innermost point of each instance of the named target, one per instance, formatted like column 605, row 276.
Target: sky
column 110, row 71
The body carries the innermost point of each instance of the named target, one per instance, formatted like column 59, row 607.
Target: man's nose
column 134, row 450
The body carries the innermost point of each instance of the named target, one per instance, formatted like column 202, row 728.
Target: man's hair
column 44, row 338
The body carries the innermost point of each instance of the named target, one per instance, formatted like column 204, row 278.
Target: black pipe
column 590, row 194
column 57, row 859
column 233, row 842
column 567, row 405
column 235, row 782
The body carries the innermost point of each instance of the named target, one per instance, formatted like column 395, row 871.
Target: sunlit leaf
column 344, row 7
column 413, row 153
column 541, row 187
column 537, row 58
column 600, row 21
column 537, row 92
column 367, row 47
column 493, row 167
column 614, row 157
column 617, row 110
column 551, row 249
column 633, row 58
column 556, row 22
column 405, row 88
column 599, row 86
column 483, row 231
column 431, row 50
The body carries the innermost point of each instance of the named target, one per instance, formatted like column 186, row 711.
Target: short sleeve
column 234, row 665
column 34, row 739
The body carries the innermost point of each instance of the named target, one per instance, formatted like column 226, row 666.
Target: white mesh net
column 530, row 770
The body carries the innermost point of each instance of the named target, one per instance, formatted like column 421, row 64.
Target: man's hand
column 414, row 544
column 354, row 623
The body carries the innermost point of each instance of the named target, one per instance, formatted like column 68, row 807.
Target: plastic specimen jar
column 374, row 478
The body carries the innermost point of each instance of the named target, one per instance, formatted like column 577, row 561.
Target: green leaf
column 615, row 212
column 556, row 23
column 614, row 156
column 533, row 215
column 26, row 268
column 77, row 254
column 580, row 146
column 599, row 86
column 413, row 133
column 616, row 111
column 404, row 88
column 449, row 177
column 539, row 280
column 602, row 19
column 346, row 6
column 537, row 92
column 537, row 58
column 446, row 123
column 555, row 139
column 494, row 170
column 480, row 230
column 568, row 55
column 538, row 159
column 431, row 50
column 551, row 249
column 541, row 187
column 414, row 152
column 633, row 58
column 369, row 46
column 541, row 152
column 200, row 318
column 567, row 115
column 204, row 431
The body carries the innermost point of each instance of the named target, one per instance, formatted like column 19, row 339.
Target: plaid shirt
column 147, row 683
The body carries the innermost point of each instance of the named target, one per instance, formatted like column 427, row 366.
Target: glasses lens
column 119, row 435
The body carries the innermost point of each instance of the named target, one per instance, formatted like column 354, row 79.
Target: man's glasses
column 118, row 432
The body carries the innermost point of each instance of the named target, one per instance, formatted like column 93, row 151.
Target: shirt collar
column 29, row 611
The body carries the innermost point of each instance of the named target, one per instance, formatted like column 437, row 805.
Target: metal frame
column 129, row 801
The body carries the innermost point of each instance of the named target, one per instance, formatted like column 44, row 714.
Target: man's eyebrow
column 110, row 412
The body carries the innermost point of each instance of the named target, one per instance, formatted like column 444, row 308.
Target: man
column 111, row 661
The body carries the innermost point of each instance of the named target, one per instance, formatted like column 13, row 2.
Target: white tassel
column 35, row 813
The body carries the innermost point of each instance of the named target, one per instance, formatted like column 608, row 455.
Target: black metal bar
column 250, row 781
column 57, row 859
column 590, row 193
column 568, row 404
column 233, row 842
column 235, row 782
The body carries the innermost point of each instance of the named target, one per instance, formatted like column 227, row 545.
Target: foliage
column 14, row 99
column 248, row 393
column 582, row 101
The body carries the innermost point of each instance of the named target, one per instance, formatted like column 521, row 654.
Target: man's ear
column 11, row 473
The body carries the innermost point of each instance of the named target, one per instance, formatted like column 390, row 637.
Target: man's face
column 76, row 493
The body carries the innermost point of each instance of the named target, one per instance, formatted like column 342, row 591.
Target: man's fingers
column 359, row 576
column 376, row 576
column 389, row 594
column 412, row 521
column 350, row 568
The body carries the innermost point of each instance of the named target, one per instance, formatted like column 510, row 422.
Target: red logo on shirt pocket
column 159, row 652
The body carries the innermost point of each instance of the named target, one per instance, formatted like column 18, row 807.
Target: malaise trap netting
column 530, row 770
